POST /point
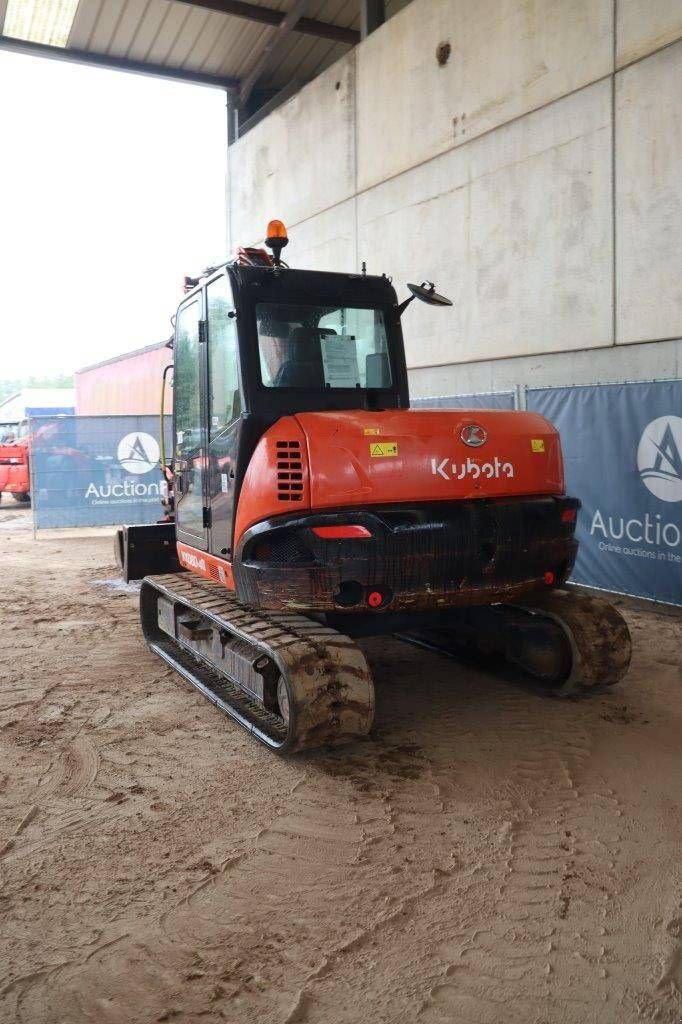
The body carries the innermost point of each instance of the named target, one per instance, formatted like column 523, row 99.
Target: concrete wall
column 534, row 175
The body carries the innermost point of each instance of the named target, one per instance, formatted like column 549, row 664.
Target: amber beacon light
column 276, row 238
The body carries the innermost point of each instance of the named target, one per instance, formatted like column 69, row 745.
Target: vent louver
column 289, row 471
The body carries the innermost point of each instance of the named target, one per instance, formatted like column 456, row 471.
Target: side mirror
column 426, row 291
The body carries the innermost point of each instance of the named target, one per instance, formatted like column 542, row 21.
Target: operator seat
column 303, row 367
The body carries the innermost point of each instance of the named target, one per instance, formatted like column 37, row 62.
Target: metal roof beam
column 268, row 16
column 282, row 32
column 104, row 60
column 372, row 15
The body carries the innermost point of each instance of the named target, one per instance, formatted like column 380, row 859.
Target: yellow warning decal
column 537, row 444
column 383, row 449
column 372, row 431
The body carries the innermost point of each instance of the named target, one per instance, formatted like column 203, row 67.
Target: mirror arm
column 403, row 306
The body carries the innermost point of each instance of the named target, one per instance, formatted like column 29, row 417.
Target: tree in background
column 10, row 387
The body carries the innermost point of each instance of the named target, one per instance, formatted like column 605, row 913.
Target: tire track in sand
column 75, row 770
column 266, row 888
column 524, row 926
column 540, row 945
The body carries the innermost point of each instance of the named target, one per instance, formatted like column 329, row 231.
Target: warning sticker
column 537, row 444
column 383, row 449
column 370, row 431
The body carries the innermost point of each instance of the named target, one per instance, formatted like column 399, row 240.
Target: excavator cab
column 253, row 345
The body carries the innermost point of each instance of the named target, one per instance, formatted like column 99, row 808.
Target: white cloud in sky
column 112, row 187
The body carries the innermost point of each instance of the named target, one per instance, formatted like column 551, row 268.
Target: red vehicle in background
column 14, row 468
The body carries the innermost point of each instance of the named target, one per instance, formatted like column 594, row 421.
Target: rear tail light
column 379, row 597
column 549, row 578
column 568, row 515
column 341, row 532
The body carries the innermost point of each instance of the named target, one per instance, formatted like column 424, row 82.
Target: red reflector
column 341, row 532
column 375, row 599
column 568, row 515
column 549, row 578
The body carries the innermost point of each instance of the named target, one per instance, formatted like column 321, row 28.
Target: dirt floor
column 490, row 855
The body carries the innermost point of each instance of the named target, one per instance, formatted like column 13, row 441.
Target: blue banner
column 486, row 400
column 96, row 470
column 622, row 447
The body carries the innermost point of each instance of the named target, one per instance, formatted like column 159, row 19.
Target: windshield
column 10, row 432
column 321, row 347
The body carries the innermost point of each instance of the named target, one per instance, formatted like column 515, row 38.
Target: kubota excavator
column 311, row 505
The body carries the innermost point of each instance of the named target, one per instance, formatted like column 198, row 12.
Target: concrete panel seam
column 356, row 214
column 614, row 227
column 431, row 159
column 422, row 163
column 647, row 196
column 646, row 341
column 549, row 352
column 645, row 56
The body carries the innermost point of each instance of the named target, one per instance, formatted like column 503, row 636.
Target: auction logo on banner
column 660, row 469
column 659, row 460
column 138, row 452
column 623, row 454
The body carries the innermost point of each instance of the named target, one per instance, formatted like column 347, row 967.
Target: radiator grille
column 289, row 471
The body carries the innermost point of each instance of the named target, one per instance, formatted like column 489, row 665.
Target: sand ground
column 489, row 855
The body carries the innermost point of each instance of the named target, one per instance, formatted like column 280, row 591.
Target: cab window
column 322, row 347
column 186, row 382
column 223, row 372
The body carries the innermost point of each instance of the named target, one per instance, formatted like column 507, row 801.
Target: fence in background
column 484, row 400
column 622, row 448
column 96, row 470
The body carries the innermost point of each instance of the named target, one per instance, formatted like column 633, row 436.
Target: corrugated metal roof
column 197, row 40
column 180, row 36
column 124, row 355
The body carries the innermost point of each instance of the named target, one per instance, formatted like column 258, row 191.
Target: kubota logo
column 658, row 458
column 450, row 470
column 474, row 435
column 138, row 452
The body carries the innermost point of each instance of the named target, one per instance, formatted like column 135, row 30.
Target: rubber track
column 597, row 632
column 331, row 688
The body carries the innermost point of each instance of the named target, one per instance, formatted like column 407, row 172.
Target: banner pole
column 31, row 478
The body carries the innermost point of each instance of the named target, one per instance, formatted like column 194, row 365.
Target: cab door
column 224, row 413
column 189, row 424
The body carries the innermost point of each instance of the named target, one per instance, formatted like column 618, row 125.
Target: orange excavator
column 14, row 452
column 311, row 506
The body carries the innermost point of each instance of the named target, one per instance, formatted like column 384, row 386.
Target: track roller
column 291, row 682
